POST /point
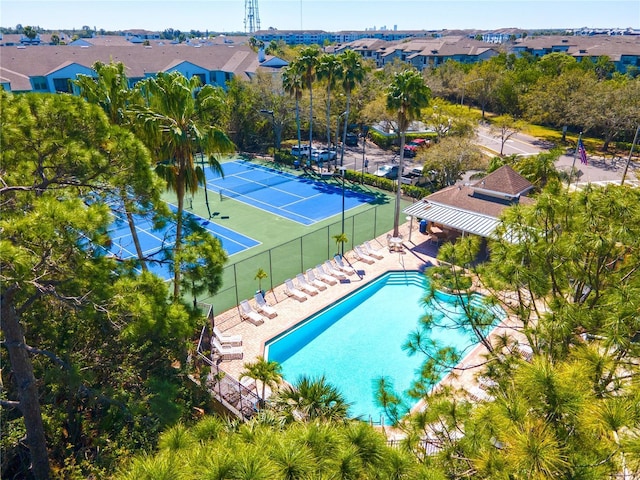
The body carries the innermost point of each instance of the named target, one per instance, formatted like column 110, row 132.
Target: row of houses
column 503, row 35
column 623, row 51
column 49, row 68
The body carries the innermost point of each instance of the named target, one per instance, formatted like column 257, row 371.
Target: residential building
column 423, row 52
column 51, row 68
column 622, row 50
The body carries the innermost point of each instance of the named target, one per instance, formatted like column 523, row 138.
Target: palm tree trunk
column 396, row 216
column 310, row 117
column 25, row 381
column 329, row 116
column 180, row 192
column 134, row 235
column 298, row 123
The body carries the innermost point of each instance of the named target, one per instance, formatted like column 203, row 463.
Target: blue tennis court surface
column 299, row 199
column 152, row 241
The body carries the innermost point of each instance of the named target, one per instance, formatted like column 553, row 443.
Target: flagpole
column 573, row 165
column 626, row 167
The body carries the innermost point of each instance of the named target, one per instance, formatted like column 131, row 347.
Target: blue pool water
column 359, row 339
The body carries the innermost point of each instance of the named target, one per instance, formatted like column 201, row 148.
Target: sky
column 328, row 15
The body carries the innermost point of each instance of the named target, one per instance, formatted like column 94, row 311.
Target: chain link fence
column 295, row 256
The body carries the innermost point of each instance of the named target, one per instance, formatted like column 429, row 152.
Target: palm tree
column 353, row 73
column 311, row 399
column 293, row 85
column 308, row 61
column 175, row 131
column 330, row 70
column 110, row 90
column 341, row 238
column 406, row 96
column 260, row 275
column 269, row 373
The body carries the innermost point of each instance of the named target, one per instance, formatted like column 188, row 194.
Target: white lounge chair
column 248, row 313
column 331, row 270
column 230, row 340
column 478, row 394
column 316, row 282
column 525, row 351
column 263, row 307
column 372, row 252
column 305, row 286
column 292, row 291
column 226, row 352
column 362, row 256
column 323, row 276
column 343, row 267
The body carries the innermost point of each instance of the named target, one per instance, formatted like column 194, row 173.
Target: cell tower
column 251, row 16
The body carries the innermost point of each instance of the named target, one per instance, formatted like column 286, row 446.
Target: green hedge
column 383, row 141
column 388, row 141
column 386, row 184
column 415, row 192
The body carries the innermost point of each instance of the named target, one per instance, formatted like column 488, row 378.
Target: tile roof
column 17, row 64
column 471, row 209
column 504, row 180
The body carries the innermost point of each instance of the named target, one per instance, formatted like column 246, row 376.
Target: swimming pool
column 359, row 339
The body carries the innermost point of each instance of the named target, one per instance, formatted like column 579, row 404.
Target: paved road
column 598, row 169
column 517, row 144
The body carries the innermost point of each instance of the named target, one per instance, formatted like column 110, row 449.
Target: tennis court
column 153, row 241
column 296, row 198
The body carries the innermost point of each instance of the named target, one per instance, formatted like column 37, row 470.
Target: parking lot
column 598, row 169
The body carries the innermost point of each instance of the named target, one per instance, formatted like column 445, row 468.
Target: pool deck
column 291, row 311
column 418, row 251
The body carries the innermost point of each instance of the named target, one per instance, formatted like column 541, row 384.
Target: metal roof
column 463, row 220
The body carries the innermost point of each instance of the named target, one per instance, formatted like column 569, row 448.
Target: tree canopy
column 93, row 351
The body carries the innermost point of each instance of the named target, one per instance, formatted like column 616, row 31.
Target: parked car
column 302, row 151
column 323, row 155
column 411, row 148
column 351, row 140
column 387, row 171
column 412, row 177
column 410, row 151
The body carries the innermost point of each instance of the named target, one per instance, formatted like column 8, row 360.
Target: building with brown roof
column 473, row 208
column 50, row 68
column 622, row 50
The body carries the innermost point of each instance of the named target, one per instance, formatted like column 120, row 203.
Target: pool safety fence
column 295, row 256
column 238, row 399
column 427, row 446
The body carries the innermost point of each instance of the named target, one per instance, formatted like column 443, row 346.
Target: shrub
column 415, row 192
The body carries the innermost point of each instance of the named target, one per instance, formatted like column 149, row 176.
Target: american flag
column 582, row 152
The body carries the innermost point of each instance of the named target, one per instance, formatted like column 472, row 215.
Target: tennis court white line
column 254, row 203
column 303, row 198
column 262, row 186
column 221, row 235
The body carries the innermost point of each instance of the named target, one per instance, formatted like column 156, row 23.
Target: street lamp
column 337, row 136
column 342, row 170
column 273, row 124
